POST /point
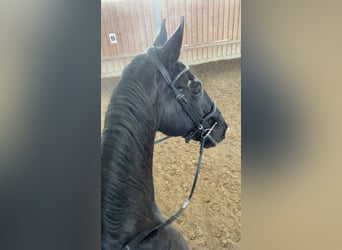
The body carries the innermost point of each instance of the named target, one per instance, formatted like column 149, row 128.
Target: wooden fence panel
column 212, row 29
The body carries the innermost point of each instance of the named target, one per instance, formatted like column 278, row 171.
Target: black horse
column 156, row 92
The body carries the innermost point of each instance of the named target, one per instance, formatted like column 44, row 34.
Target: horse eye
column 197, row 92
column 180, row 88
column 196, row 88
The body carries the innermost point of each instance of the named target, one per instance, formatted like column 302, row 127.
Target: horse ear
column 172, row 47
column 162, row 35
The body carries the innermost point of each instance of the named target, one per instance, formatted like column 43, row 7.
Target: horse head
column 182, row 104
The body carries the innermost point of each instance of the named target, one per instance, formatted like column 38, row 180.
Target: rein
column 141, row 236
column 205, row 134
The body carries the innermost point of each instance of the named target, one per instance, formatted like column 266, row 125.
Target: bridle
column 198, row 120
column 199, row 127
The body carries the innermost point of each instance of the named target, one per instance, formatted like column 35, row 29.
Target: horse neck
column 128, row 204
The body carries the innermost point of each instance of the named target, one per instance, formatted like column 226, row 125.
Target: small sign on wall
column 112, row 38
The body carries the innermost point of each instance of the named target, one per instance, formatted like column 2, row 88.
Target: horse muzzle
column 216, row 128
column 211, row 131
column 214, row 134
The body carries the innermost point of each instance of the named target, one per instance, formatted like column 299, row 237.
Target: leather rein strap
column 205, row 134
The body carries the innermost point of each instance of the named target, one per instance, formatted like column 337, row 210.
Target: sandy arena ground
column 212, row 220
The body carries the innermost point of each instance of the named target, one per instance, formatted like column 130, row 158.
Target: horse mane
column 127, row 153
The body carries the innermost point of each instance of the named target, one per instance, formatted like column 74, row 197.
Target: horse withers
column 156, row 92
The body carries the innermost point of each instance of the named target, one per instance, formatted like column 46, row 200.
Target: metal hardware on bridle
column 205, row 134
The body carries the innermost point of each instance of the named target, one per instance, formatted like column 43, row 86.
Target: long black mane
column 127, row 153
